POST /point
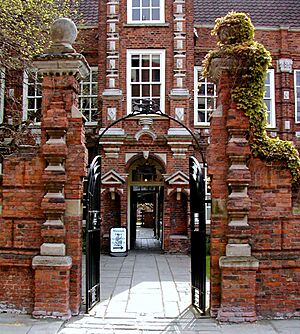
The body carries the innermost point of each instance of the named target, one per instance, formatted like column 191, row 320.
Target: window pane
column 155, row 61
column 267, row 80
column 145, row 61
column 155, row 14
column 31, row 104
column 85, row 89
column 85, row 103
column 31, row 90
column 146, row 14
column 201, row 116
column 146, row 90
column 298, row 78
column 210, row 89
column 135, row 61
column 135, row 75
column 209, row 112
column 136, row 14
column 146, row 3
column 201, row 89
column 200, row 78
column 94, row 102
column 268, row 104
column 157, row 102
column 135, row 3
column 155, row 75
column 155, row 3
column 135, row 90
column 94, row 89
column 94, row 115
column 210, row 103
column 201, row 103
column 267, row 92
column 94, row 76
column 145, row 76
column 155, row 90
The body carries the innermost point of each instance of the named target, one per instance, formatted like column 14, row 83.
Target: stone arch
column 146, row 156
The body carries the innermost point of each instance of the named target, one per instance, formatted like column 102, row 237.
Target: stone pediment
column 112, row 177
column 178, row 178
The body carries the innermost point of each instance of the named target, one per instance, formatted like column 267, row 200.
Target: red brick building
column 153, row 49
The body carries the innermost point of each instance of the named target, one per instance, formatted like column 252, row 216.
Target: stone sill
column 143, row 25
column 240, row 262
column 179, row 236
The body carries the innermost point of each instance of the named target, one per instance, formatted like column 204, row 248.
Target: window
column 269, row 98
column 145, row 11
column 32, row 96
column 145, row 77
column 2, row 84
column 205, row 98
column 297, row 95
column 88, row 100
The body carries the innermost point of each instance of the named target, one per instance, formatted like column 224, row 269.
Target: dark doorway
column 146, row 227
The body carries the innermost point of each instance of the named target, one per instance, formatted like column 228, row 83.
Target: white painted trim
column 162, row 54
column 272, row 124
column 205, row 124
column 129, row 14
column 295, row 95
column 25, row 94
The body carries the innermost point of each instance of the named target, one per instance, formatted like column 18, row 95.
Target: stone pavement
column 145, row 292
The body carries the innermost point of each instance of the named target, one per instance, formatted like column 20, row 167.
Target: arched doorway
column 146, row 192
column 146, row 187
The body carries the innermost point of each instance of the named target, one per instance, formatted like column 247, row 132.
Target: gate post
column 233, row 275
column 58, row 267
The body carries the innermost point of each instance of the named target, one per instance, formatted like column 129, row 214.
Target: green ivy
column 250, row 63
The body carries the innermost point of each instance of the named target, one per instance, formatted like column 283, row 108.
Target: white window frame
column 140, row 21
column 140, row 52
column 89, row 96
column 198, row 69
column 26, row 96
column 2, row 87
column 207, row 196
column 297, row 120
column 271, row 114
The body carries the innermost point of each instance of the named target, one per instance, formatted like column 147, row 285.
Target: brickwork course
column 255, row 271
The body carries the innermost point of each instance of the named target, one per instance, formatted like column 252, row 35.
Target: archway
column 148, row 175
column 146, row 191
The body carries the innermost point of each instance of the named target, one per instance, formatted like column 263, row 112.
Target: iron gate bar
column 93, row 234
column 198, row 235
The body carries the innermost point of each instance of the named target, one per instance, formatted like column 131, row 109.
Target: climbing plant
column 249, row 61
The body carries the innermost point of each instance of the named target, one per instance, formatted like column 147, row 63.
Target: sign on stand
column 118, row 241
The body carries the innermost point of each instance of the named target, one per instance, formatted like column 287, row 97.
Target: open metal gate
column 198, row 234
column 92, row 202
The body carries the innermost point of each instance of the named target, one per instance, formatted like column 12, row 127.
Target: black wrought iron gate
column 198, row 234
column 92, row 202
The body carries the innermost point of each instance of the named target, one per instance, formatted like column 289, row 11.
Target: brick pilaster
column 58, row 267
column 227, row 160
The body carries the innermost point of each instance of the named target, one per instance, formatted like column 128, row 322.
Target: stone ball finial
column 63, row 34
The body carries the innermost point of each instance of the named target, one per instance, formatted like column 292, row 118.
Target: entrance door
column 92, row 201
column 198, row 234
column 145, row 211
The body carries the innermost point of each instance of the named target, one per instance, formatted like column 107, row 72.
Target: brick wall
column 20, row 232
column 254, row 229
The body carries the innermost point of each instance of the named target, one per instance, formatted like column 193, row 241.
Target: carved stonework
column 285, row 65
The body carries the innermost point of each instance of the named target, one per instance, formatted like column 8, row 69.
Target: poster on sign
column 118, row 241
